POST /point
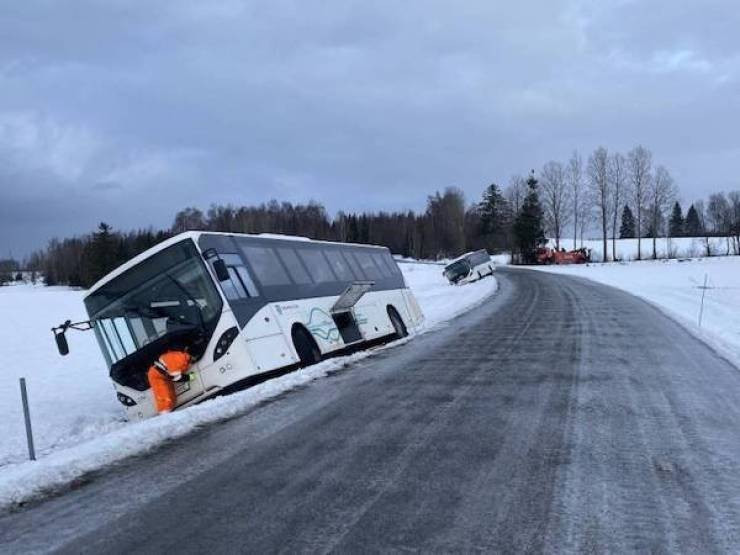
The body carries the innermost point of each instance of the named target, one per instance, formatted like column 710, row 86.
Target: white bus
column 244, row 305
column 468, row 267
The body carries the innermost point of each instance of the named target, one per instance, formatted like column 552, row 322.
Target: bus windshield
column 166, row 293
column 457, row 270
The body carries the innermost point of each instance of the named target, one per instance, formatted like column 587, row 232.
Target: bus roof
column 466, row 255
column 195, row 235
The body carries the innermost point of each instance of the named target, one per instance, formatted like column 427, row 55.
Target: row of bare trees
column 594, row 193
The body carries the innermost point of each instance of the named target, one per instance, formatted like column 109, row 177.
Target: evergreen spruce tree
column 528, row 231
column 494, row 217
column 627, row 229
column 692, row 226
column 676, row 223
column 100, row 256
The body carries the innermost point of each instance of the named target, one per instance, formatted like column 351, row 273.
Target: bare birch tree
column 555, row 199
column 702, row 215
column 586, row 215
column 661, row 194
column 515, row 193
column 574, row 174
column 734, row 198
column 617, row 174
column 639, row 166
column 598, row 181
column 719, row 213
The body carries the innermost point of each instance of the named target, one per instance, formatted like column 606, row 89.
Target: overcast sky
column 127, row 111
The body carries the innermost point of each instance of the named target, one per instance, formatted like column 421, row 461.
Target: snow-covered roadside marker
column 25, row 481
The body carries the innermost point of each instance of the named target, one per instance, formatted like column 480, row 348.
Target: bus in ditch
column 468, row 267
column 243, row 306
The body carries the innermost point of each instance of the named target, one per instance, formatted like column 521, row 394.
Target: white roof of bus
column 281, row 236
column 460, row 257
column 194, row 235
column 465, row 256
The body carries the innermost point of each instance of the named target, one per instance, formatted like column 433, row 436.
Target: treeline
column 81, row 261
column 445, row 228
column 720, row 217
column 9, row 271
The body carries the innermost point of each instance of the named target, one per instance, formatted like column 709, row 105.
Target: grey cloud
column 107, row 186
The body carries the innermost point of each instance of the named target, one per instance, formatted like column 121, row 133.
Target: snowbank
column 78, row 424
column 679, row 247
column 432, row 290
column 675, row 286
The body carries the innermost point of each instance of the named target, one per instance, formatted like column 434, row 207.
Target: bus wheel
column 397, row 321
column 305, row 346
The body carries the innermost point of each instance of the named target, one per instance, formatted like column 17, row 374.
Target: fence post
column 27, row 417
column 703, row 292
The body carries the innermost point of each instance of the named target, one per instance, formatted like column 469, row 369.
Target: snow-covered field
column 78, row 423
column 680, row 247
column 675, row 286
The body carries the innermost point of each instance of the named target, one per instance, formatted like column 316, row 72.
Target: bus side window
column 354, row 266
column 338, row 264
column 378, row 258
column 317, row 265
column 266, row 265
column 297, row 273
column 240, row 286
column 390, row 263
column 368, row 266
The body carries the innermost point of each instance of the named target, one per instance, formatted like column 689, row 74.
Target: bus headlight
column 224, row 342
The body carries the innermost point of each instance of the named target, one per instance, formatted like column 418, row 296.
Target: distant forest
column 444, row 229
column 623, row 196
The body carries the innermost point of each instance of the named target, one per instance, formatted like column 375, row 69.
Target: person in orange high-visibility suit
column 168, row 369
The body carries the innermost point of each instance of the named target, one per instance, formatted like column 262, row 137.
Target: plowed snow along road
column 561, row 415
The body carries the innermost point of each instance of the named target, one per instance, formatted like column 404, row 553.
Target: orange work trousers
column 163, row 389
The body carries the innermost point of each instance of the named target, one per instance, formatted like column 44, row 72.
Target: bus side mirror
column 222, row 272
column 62, row 344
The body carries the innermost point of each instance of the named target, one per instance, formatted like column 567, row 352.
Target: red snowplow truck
column 553, row 256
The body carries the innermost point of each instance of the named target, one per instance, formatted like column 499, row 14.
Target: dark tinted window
column 240, row 286
column 295, row 268
column 367, row 264
column 266, row 265
column 353, row 265
column 479, row 257
column 317, row 265
column 170, row 292
column 339, row 265
column 388, row 259
column 378, row 258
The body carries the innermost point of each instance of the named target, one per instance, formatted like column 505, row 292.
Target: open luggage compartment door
column 343, row 315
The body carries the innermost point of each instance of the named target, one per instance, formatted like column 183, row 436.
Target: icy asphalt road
column 561, row 415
